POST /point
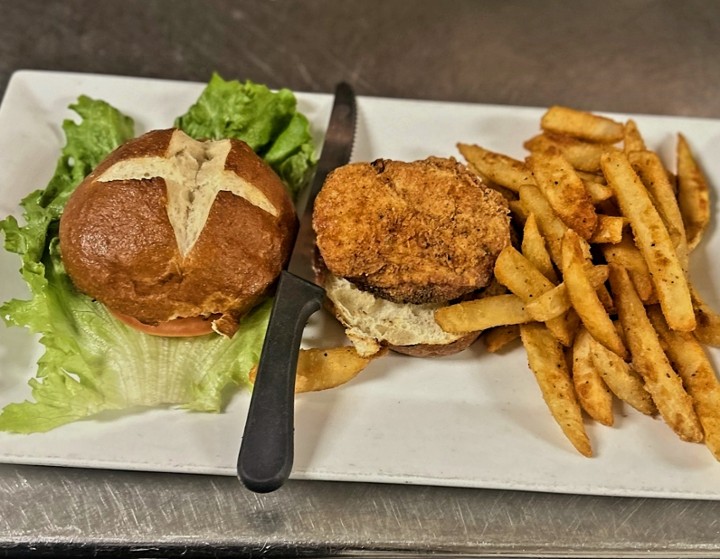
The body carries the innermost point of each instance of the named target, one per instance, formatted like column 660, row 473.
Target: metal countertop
column 644, row 56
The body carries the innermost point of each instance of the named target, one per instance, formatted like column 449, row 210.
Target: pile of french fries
column 597, row 285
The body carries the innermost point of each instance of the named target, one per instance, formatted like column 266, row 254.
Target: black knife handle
column 266, row 451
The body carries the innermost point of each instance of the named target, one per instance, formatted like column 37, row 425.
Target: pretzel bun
column 170, row 231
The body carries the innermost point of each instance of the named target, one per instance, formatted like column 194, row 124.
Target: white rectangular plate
column 470, row 420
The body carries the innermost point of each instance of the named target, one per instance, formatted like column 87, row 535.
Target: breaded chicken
column 420, row 232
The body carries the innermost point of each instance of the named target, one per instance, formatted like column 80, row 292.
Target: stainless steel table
column 645, row 56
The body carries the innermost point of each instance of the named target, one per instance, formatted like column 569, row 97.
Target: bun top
column 170, row 227
column 420, row 232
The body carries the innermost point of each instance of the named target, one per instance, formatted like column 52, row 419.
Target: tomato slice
column 176, row 328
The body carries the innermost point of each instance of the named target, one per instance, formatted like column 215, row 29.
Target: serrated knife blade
column 267, row 448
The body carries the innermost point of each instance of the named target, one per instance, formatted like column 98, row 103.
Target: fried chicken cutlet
column 396, row 240
column 418, row 232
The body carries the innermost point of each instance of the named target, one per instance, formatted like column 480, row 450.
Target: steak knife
column 266, row 452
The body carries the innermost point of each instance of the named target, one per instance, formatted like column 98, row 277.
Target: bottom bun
column 372, row 323
column 436, row 350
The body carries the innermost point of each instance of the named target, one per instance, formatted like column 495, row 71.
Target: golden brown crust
column 118, row 245
column 426, row 231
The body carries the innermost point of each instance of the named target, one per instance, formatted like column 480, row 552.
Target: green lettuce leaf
column 93, row 363
column 268, row 121
column 101, row 129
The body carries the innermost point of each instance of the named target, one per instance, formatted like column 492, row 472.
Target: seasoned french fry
column 550, row 225
column 596, row 178
column 609, row 229
column 592, row 393
column 513, row 270
column 535, row 249
column 649, row 359
column 619, row 328
column 621, row 379
column 606, row 299
column 582, row 124
column 547, row 361
column 598, row 192
column 322, row 369
column 565, row 191
column 584, row 297
column 598, row 274
column 632, row 139
column 549, row 305
column 653, row 240
column 556, row 302
column 519, row 211
column 500, row 169
column 708, row 320
column 583, row 156
column 627, row 255
column 497, row 338
column 698, row 375
column 693, row 194
column 654, row 176
column 573, row 324
column 519, row 275
column 481, row 314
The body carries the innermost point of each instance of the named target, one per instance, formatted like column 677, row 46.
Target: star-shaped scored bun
column 169, row 227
